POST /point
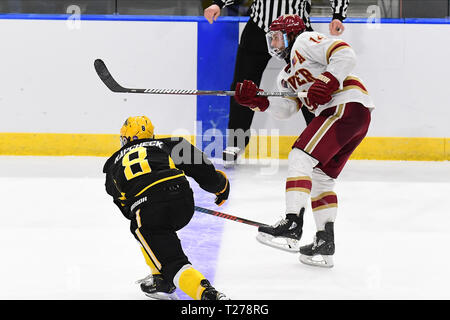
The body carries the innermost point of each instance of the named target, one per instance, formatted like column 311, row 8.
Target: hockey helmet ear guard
column 135, row 128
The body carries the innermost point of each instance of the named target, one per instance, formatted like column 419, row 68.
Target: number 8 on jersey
column 135, row 163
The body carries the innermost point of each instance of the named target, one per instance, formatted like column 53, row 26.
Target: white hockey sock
column 298, row 182
column 323, row 199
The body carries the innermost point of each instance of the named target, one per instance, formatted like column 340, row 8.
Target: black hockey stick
column 229, row 217
column 114, row 86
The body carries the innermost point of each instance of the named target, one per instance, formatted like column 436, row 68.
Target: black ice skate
column 320, row 252
column 156, row 287
column 230, row 156
column 210, row 292
column 285, row 234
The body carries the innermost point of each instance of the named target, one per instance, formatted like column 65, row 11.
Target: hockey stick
column 114, row 86
column 229, row 216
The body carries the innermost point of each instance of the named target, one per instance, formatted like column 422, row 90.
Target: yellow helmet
column 135, row 128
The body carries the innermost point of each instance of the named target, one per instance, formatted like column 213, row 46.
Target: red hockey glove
column 222, row 195
column 321, row 90
column 245, row 95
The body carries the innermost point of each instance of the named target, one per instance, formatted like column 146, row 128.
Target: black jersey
column 143, row 166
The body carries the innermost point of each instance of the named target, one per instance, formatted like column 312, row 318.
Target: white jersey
column 313, row 54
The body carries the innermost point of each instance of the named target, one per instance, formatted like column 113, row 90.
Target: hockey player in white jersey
column 322, row 67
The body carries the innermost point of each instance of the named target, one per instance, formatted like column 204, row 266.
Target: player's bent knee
column 322, row 181
column 170, row 269
column 300, row 163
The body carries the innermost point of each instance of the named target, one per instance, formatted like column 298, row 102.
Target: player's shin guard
column 298, row 182
column 286, row 233
column 323, row 199
column 195, row 285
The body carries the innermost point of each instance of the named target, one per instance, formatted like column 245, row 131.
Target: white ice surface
column 61, row 237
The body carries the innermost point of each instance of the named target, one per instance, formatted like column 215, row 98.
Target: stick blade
column 106, row 77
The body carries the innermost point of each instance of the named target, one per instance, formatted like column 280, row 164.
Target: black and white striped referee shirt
column 263, row 12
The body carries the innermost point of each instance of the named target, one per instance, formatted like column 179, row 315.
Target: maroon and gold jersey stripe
column 353, row 83
column 335, row 47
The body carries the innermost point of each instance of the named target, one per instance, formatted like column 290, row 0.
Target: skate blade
column 162, row 296
column 322, row 261
column 286, row 244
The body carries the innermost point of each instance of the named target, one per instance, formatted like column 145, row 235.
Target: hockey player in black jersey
column 147, row 180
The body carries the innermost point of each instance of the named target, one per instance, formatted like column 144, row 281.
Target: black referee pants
column 251, row 60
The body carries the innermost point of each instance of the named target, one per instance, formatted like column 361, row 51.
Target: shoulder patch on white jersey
column 297, row 58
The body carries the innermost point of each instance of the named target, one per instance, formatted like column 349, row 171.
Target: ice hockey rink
column 63, row 238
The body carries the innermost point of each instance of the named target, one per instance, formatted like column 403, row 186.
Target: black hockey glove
column 222, row 195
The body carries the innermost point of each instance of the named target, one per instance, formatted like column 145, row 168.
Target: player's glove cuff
column 222, row 195
column 321, row 90
column 246, row 94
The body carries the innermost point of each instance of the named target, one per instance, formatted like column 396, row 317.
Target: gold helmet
column 135, row 128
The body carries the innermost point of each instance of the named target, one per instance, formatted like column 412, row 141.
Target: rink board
column 260, row 147
column 54, row 103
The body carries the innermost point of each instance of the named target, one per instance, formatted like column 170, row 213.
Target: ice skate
column 230, row 156
column 284, row 235
column 320, row 252
column 210, row 292
column 154, row 286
